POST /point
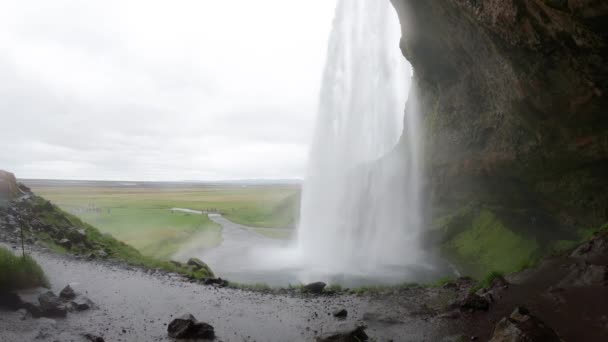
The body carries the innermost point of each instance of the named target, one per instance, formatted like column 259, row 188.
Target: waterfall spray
column 361, row 199
column 361, row 213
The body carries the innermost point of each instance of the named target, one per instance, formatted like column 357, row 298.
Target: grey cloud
column 86, row 92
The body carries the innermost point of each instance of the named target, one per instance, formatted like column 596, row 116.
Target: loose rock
column 81, row 303
column 51, row 306
column 472, row 302
column 341, row 313
column 67, row 293
column 315, row 287
column 522, row 327
column 94, row 338
column 351, row 335
column 65, row 243
column 187, row 327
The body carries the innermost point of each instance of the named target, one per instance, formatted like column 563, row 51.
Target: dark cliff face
column 513, row 94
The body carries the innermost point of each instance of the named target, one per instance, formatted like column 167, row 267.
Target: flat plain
column 140, row 214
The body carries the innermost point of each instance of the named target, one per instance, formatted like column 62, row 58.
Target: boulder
column 67, row 293
column 472, row 302
column 187, row 327
column 78, row 235
column 521, row 326
column 81, row 303
column 346, row 335
column 340, row 313
column 316, row 287
column 216, row 281
column 51, row 305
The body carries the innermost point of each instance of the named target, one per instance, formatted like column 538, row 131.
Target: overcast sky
column 160, row 90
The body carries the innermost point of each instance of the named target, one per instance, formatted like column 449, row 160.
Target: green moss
column 488, row 245
column 18, row 272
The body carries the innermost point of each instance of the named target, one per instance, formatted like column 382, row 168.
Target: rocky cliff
column 513, row 95
column 9, row 189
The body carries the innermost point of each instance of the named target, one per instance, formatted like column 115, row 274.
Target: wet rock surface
column 51, row 305
column 316, row 287
column 347, row 334
column 187, row 327
column 340, row 313
column 521, row 326
column 67, row 293
column 93, row 338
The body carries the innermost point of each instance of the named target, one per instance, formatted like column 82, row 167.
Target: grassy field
column 141, row 215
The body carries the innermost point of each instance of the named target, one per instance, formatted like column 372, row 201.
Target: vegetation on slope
column 18, row 272
column 65, row 233
column 489, row 245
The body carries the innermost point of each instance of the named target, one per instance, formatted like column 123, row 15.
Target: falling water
column 361, row 200
column 360, row 215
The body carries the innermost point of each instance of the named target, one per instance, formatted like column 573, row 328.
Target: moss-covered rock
column 486, row 244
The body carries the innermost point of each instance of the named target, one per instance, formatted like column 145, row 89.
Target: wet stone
column 187, row 327
column 316, row 287
column 67, row 293
column 340, row 313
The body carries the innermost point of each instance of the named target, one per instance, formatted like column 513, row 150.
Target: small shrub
column 18, row 272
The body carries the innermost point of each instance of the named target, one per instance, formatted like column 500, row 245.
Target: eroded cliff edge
column 513, row 99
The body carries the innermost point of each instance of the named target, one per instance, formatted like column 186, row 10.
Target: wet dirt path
column 136, row 306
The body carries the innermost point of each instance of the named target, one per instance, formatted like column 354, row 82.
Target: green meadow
column 142, row 217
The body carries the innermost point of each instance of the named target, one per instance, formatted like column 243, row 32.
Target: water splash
column 361, row 200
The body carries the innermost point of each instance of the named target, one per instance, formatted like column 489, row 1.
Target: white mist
column 360, row 211
column 361, row 207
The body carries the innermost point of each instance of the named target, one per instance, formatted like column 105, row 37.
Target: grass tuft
column 18, row 272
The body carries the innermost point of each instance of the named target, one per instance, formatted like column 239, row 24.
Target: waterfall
column 360, row 213
column 360, row 210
